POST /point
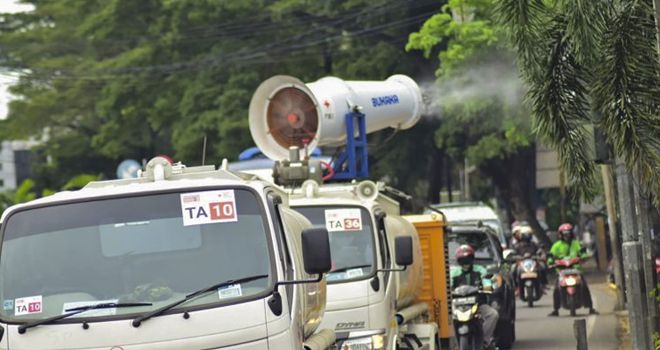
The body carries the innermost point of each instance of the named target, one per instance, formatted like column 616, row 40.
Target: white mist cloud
column 486, row 80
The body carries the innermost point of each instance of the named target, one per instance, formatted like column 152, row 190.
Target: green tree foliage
column 579, row 57
column 28, row 190
column 480, row 98
column 114, row 79
column 24, row 193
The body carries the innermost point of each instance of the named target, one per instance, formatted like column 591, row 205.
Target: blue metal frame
column 353, row 163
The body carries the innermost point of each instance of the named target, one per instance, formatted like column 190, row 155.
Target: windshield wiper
column 78, row 310
column 343, row 269
column 138, row 320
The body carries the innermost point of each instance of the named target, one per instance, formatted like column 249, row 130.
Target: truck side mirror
column 404, row 250
column 316, row 251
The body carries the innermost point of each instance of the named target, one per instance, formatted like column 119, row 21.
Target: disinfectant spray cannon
column 286, row 113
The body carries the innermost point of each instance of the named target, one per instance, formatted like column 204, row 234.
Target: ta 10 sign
column 209, row 207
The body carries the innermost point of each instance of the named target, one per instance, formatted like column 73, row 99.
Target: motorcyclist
column 526, row 247
column 525, row 243
column 567, row 247
column 472, row 274
column 515, row 232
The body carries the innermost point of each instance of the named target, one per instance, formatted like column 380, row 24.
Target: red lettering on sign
column 352, row 225
column 34, row 307
column 222, row 211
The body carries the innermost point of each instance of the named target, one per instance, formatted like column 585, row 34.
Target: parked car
column 488, row 253
column 471, row 213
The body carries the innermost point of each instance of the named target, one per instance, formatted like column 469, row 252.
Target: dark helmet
column 465, row 255
column 565, row 232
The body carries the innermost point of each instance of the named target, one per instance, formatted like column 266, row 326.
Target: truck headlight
column 375, row 342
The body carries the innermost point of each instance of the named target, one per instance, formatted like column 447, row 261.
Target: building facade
column 15, row 163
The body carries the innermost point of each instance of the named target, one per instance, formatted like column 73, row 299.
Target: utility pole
column 632, row 258
column 615, row 242
column 562, row 194
column 648, row 255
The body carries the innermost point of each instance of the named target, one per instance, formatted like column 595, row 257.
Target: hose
column 411, row 312
column 321, row 340
column 331, row 171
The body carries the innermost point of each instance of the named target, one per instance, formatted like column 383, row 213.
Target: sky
column 6, row 79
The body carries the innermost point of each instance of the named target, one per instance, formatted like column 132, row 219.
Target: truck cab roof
column 174, row 176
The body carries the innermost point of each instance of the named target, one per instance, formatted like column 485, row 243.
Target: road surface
column 535, row 330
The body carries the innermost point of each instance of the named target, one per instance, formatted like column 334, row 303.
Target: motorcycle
column 531, row 288
column 570, row 283
column 466, row 318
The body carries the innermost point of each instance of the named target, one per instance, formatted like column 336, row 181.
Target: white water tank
column 408, row 282
column 286, row 112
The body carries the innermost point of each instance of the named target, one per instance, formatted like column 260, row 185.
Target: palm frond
column 627, row 91
column 586, row 21
column 560, row 103
column 524, row 21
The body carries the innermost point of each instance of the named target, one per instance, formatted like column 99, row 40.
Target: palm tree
column 594, row 62
column 591, row 62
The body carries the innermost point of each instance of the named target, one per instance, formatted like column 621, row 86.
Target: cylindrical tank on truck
column 408, row 282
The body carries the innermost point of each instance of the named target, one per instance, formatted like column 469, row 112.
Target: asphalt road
column 536, row 330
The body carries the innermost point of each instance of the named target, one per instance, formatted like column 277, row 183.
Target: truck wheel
column 529, row 291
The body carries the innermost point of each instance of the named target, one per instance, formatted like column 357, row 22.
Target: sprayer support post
column 353, row 163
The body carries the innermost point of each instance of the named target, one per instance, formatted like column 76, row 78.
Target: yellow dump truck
column 435, row 290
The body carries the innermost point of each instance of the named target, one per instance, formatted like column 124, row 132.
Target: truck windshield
column 151, row 249
column 351, row 240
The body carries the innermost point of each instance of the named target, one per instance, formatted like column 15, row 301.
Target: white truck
column 371, row 303
column 179, row 258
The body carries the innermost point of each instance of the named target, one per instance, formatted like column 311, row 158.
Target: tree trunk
column 448, row 165
column 513, row 176
column 434, row 173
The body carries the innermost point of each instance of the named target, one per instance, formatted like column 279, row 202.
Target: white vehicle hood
column 222, row 327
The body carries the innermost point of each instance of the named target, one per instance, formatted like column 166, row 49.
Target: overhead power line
column 249, row 55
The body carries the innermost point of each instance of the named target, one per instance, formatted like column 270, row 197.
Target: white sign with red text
column 28, row 305
column 209, row 207
column 343, row 220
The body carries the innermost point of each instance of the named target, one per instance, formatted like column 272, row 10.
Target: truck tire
column 529, row 293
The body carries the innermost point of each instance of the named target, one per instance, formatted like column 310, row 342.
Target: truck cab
column 366, row 288
column 193, row 258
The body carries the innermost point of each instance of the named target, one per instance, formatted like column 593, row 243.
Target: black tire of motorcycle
column 571, row 304
column 529, row 291
column 506, row 335
column 466, row 343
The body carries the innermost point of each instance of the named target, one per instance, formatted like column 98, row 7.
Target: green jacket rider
column 469, row 273
column 566, row 250
column 568, row 247
column 473, row 277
